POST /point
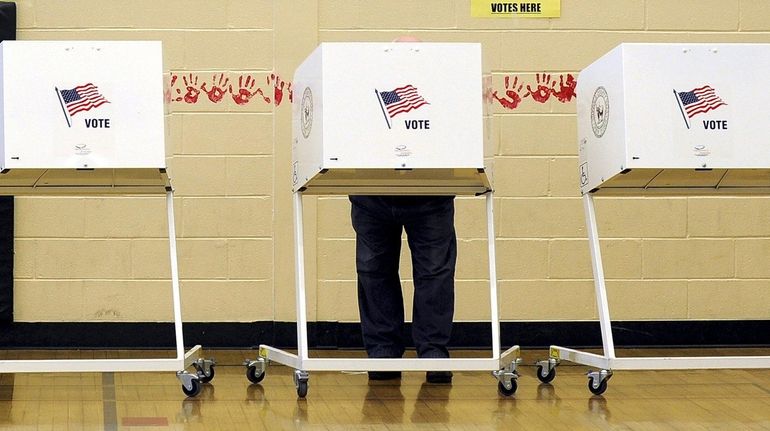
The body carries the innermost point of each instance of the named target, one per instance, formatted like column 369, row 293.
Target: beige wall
column 105, row 259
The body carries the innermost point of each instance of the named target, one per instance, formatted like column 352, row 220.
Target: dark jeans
column 429, row 225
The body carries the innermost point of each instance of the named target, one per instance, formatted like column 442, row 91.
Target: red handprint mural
column 543, row 90
column 192, row 91
column 217, row 91
column 566, row 92
column 512, row 93
column 244, row 94
column 511, row 97
column 278, row 89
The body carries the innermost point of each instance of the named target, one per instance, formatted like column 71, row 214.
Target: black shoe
column 443, row 377
column 384, row 375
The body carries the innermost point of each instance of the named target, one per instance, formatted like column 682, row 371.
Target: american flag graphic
column 700, row 100
column 402, row 99
column 82, row 98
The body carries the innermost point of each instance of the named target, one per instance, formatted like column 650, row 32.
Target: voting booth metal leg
column 191, row 383
column 502, row 366
column 607, row 362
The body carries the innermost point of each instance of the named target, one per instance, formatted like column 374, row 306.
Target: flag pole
column 679, row 103
column 58, row 95
column 379, row 99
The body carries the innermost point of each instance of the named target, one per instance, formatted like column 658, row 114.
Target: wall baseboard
column 334, row 335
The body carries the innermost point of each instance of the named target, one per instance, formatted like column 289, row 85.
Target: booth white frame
column 503, row 366
column 626, row 156
column 191, row 383
column 608, row 361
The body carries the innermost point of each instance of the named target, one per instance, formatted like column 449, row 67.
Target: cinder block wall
column 105, row 259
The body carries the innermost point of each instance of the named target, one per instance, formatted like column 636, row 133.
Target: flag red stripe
column 86, row 99
column 84, row 86
column 710, row 102
column 87, row 107
column 702, row 92
column 707, row 108
column 703, row 88
column 85, row 102
column 89, row 93
column 402, row 108
column 407, row 109
column 405, row 87
column 405, row 102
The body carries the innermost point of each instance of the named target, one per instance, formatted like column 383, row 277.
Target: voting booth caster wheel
column 204, row 368
column 191, row 385
column 300, row 382
column 509, row 390
column 597, row 381
column 546, row 370
column 255, row 370
column 507, row 379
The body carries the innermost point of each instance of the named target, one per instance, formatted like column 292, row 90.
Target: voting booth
column 87, row 118
column 385, row 118
column 662, row 119
column 82, row 116
column 390, row 119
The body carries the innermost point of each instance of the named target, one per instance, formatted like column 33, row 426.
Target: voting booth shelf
column 390, row 119
column 662, row 120
column 87, row 118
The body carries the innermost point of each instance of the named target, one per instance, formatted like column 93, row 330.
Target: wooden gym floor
column 635, row 400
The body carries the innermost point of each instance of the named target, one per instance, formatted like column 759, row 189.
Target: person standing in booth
column 429, row 224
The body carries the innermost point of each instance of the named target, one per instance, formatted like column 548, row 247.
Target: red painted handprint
column 217, row 91
column 566, row 92
column 512, row 93
column 543, row 91
column 244, row 94
column 167, row 93
column 192, row 91
column 278, row 85
column 291, row 93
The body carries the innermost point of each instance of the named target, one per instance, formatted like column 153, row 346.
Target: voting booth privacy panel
column 662, row 117
column 391, row 118
column 87, row 118
column 81, row 114
column 667, row 119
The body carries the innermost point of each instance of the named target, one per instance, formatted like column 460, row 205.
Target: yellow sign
column 524, row 9
column 554, row 353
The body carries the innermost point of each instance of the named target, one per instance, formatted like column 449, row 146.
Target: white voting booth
column 389, row 119
column 87, row 118
column 663, row 119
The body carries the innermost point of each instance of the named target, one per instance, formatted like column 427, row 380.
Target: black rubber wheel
column 302, row 388
column 203, row 378
column 597, row 391
column 196, row 388
column 548, row 377
column 253, row 376
column 507, row 392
